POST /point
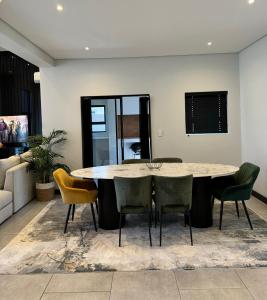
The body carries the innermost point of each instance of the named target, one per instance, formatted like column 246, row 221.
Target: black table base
column 202, row 206
column 108, row 216
column 201, row 211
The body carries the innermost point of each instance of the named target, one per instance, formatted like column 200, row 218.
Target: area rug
column 42, row 247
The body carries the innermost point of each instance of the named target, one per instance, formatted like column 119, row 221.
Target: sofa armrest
column 19, row 181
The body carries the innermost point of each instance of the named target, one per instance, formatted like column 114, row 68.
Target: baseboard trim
column 259, row 196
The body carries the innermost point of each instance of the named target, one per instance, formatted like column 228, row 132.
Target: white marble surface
column 167, row 169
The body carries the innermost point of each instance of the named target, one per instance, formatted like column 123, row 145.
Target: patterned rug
column 42, row 247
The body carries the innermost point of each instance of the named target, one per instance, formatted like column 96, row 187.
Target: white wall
column 166, row 79
column 253, row 92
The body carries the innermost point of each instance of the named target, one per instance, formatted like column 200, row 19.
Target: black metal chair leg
column 67, row 219
column 73, row 211
column 246, row 211
column 93, row 214
column 190, row 227
column 96, row 206
column 221, row 215
column 237, row 209
column 184, row 220
column 156, row 214
column 149, row 228
column 120, row 231
column 160, row 228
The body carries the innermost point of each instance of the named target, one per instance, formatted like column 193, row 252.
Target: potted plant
column 43, row 163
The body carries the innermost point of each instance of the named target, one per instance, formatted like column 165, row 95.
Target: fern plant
column 42, row 161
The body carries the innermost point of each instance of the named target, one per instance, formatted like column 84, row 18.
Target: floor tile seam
column 236, row 271
column 46, row 286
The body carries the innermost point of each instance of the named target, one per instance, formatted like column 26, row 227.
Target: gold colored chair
column 76, row 191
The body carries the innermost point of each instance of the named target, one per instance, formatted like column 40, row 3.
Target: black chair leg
column 96, row 206
column 93, row 214
column 237, row 209
column 149, row 228
column 190, row 227
column 160, row 228
column 156, row 214
column 120, row 230
column 184, row 220
column 221, row 215
column 67, row 219
column 246, row 211
column 73, row 211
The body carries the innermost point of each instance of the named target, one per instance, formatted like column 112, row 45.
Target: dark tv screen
column 14, row 129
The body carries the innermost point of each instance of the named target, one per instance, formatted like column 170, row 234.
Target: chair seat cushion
column 173, row 209
column 133, row 210
column 5, row 198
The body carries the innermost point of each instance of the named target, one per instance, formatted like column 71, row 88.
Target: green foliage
column 42, row 162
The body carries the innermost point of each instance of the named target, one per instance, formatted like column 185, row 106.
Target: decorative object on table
column 134, row 196
column 135, row 161
column 1, row 145
column 75, row 191
column 154, row 166
column 237, row 187
column 43, row 162
column 173, row 195
column 167, row 160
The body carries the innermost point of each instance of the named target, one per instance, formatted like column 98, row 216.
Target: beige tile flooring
column 197, row 284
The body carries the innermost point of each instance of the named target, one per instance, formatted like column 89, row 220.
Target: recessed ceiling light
column 251, row 2
column 1, row 1
column 59, row 7
column 209, row 43
column 86, row 48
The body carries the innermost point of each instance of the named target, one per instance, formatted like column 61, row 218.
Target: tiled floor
column 198, row 284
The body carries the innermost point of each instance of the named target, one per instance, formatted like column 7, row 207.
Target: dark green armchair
column 135, row 161
column 167, row 160
column 134, row 196
column 174, row 195
column 237, row 187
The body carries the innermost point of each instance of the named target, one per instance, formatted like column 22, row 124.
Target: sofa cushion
column 5, row 199
column 24, row 157
column 6, row 164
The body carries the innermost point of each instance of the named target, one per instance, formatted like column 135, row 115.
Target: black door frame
column 87, row 143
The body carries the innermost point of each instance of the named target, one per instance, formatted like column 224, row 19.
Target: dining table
column 202, row 204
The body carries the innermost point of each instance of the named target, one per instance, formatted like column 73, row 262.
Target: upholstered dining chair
column 167, row 160
column 174, row 195
column 75, row 191
column 134, row 196
column 237, row 187
column 135, row 161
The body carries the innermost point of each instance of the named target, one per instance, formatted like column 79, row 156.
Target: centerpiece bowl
column 154, row 166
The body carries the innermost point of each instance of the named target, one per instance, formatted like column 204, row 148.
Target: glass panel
column 98, row 114
column 104, row 135
column 99, row 127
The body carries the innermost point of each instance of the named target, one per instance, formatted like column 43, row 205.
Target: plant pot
column 45, row 191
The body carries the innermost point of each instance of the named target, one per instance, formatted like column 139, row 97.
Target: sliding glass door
column 115, row 128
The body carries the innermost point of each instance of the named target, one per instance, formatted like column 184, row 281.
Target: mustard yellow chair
column 76, row 191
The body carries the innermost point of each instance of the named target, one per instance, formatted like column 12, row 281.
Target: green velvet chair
column 167, row 160
column 174, row 195
column 237, row 187
column 135, row 161
column 134, row 196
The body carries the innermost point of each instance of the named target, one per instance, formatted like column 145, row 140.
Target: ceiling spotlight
column 59, row 7
column 86, row 48
column 251, row 2
column 1, row 1
column 209, row 43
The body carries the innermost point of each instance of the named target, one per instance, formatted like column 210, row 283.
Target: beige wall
column 253, row 87
column 166, row 79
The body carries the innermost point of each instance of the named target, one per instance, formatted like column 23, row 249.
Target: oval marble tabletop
column 167, row 169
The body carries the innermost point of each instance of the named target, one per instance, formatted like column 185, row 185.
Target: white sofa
column 17, row 187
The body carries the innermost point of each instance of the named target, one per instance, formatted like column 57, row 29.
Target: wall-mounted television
column 14, row 129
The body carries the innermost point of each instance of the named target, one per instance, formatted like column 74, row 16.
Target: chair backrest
column 167, row 160
column 63, row 181
column 135, row 161
column 247, row 173
column 133, row 191
column 173, row 190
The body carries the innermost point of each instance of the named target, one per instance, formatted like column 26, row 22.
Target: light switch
column 160, row 133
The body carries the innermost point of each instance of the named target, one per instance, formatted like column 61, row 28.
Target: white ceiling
column 134, row 28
